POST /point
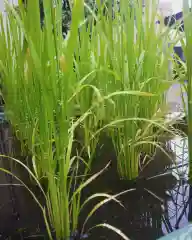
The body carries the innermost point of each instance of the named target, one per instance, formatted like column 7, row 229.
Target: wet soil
column 159, row 202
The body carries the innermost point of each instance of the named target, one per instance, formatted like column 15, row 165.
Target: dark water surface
column 159, row 205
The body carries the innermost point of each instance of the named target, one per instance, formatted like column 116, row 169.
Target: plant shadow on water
column 160, row 203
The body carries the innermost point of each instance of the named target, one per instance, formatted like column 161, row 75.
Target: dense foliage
column 116, row 85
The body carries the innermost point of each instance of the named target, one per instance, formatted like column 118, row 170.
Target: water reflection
column 165, row 204
column 180, row 147
column 178, row 209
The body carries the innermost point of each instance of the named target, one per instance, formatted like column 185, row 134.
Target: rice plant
column 37, row 87
column 131, row 58
column 110, row 68
column 40, row 89
column 187, row 52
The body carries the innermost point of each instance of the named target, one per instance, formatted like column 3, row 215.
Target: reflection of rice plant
column 180, row 148
column 176, row 207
